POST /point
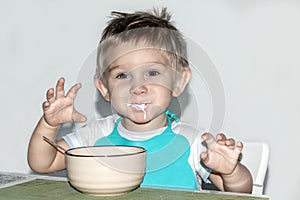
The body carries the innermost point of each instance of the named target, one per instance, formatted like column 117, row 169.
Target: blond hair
column 137, row 30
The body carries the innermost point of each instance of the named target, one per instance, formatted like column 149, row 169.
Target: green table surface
column 49, row 189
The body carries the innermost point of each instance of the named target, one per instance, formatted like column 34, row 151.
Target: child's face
column 140, row 86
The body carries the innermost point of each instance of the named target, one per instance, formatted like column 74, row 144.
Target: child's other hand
column 59, row 108
column 222, row 154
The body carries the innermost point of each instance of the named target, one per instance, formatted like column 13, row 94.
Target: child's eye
column 122, row 76
column 152, row 73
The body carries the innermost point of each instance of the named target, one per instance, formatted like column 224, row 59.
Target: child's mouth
column 140, row 106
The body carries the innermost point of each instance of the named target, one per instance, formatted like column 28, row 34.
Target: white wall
column 253, row 43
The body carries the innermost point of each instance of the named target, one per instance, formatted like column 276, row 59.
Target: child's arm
column 58, row 109
column 222, row 157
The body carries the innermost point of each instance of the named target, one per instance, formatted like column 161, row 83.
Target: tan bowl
column 106, row 170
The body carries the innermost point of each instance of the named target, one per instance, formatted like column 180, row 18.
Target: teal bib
column 166, row 158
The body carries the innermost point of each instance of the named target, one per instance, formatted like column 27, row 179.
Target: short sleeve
column 193, row 135
column 73, row 140
column 202, row 171
column 91, row 132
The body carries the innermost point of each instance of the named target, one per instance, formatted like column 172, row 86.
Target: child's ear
column 184, row 76
column 102, row 88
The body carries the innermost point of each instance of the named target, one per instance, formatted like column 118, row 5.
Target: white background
column 254, row 44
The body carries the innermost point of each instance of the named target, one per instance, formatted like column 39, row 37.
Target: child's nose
column 139, row 90
column 138, row 85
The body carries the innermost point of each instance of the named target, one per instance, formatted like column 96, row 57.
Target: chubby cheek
column 161, row 95
column 119, row 96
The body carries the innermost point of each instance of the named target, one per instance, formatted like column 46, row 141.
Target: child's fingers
column 240, row 146
column 50, row 95
column 221, row 138
column 208, row 141
column 230, row 142
column 206, row 136
column 73, row 91
column 60, row 92
column 46, row 105
column 204, row 157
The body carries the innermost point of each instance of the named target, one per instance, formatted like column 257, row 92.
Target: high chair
column 255, row 156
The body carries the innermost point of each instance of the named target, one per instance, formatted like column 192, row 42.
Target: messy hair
column 152, row 29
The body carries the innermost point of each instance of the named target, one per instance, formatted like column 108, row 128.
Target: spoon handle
column 54, row 144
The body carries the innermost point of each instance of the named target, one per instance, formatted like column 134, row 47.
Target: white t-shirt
column 96, row 129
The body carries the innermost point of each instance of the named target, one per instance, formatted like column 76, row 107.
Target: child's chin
column 140, row 118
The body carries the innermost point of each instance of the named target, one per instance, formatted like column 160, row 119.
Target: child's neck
column 156, row 123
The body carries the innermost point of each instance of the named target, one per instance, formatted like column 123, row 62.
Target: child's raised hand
column 222, row 154
column 59, row 108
